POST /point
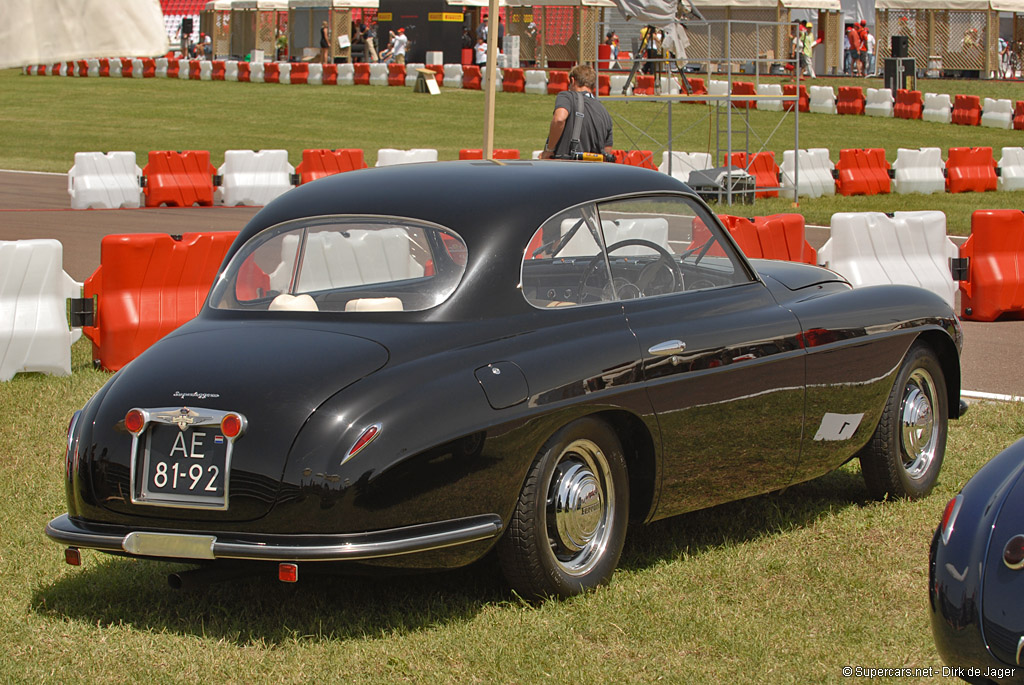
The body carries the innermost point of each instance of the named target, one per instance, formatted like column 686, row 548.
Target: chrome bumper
column 348, row 547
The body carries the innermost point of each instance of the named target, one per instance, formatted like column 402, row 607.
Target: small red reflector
column 368, row 435
column 288, row 573
column 949, row 518
column 134, row 421
column 231, row 425
column 73, row 556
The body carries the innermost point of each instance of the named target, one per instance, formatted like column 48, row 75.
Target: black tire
column 904, row 456
column 566, row 533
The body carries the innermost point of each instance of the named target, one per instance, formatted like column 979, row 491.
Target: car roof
column 494, row 206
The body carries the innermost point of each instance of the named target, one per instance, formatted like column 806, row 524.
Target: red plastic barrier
column 851, row 100
column 604, row 56
column 744, row 88
column 466, row 58
column 438, row 70
column 173, row 65
column 179, row 179
column 640, row 158
column 147, row 285
column 909, row 104
column 604, row 85
column 994, row 287
column 82, row 67
column 244, row 72
column 195, row 73
column 149, row 67
column 330, row 75
column 319, row 163
column 778, row 236
column 697, row 86
column 1018, row 115
column 967, row 110
column 299, row 73
column 217, row 74
column 396, row 74
column 497, row 154
column 643, row 84
column 513, row 81
column 361, row 74
column 471, row 77
column 789, row 89
column 104, row 67
column 862, row 172
column 126, row 67
column 558, row 81
column 970, row 169
column 272, row 72
column 762, row 166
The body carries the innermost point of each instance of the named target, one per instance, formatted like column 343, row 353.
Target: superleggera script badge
column 195, row 395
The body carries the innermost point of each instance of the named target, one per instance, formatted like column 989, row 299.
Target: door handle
column 667, row 348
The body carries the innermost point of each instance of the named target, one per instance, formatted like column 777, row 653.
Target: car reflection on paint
column 411, row 367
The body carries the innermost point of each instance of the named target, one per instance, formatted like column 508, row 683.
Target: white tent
column 48, row 31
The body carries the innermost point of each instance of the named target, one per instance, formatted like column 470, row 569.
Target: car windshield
column 344, row 264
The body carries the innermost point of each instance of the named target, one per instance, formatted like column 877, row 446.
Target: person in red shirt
column 862, row 31
column 856, row 50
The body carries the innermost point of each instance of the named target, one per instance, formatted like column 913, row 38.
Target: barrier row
column 147, row 285
column 967, row 110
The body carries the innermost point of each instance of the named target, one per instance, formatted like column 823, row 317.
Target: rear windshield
column 344, row 264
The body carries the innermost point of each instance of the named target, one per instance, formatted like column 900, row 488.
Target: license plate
column 179, row 463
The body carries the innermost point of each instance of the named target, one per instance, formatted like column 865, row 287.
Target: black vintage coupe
column 976, row 574
column 413, row 366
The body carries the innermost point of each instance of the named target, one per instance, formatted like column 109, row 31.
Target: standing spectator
column 862, row 31
column 847, row 53
column 611, row 39
column 501, row 33
column 650, row 43
column 207, row 46
column 870, row 49
column 807, row 44
column 481, row 29
column 325, row 42
column 480, row 53
column 594, row 132
column 856, row 47
column 399, row 47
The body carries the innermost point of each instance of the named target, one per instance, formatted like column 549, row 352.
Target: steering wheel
column 648, row 275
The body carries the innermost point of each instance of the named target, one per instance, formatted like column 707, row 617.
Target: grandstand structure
column 176, row 10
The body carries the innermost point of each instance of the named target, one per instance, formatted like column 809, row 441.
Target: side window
column 628, row 249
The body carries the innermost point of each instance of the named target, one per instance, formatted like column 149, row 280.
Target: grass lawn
column 47, row 119
column 782, row 588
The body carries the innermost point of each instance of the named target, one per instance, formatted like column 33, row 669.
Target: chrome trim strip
column 352, row 547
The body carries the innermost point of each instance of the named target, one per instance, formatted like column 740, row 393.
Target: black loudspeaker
column 900, row 46
column 186, row 26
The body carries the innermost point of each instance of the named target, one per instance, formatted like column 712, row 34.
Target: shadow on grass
column 111, row 591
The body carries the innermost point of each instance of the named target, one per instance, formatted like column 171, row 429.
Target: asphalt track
column 36, row 205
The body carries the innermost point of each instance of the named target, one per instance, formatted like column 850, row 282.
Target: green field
column 783, row 588
column 47, row 119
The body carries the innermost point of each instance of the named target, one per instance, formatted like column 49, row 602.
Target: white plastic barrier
column 316, row 74
column 997, row 113
column 205, row 70
column 346, row 74
column 718, row 88
column 390, row 156
column 1011, row 169
column 536, row 81
column 379, row 74
column 136, row 68
column 256, row 71
column 770, row 105
column 161, row 67
column 919, row 171
column 683, row 163
column 284, row 73
column 231, row 70
column 453, row 76
column 252, row 178
column 104, row 181
column 412, row 73
column 669, row 85
column 114, row 70
column 815, row 177
column 910, row 248
column 822, row 99
column 937, row 107
column 582, row 243
column 94, row 68
column 34, row 334
column 879, row 102
column 616, row 83
column 498, row 79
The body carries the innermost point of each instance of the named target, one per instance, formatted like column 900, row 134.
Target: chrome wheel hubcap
column 579, row 507
column 919, row 429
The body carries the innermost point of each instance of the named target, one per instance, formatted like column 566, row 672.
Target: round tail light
column 135, row 421
column 1013, row 553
